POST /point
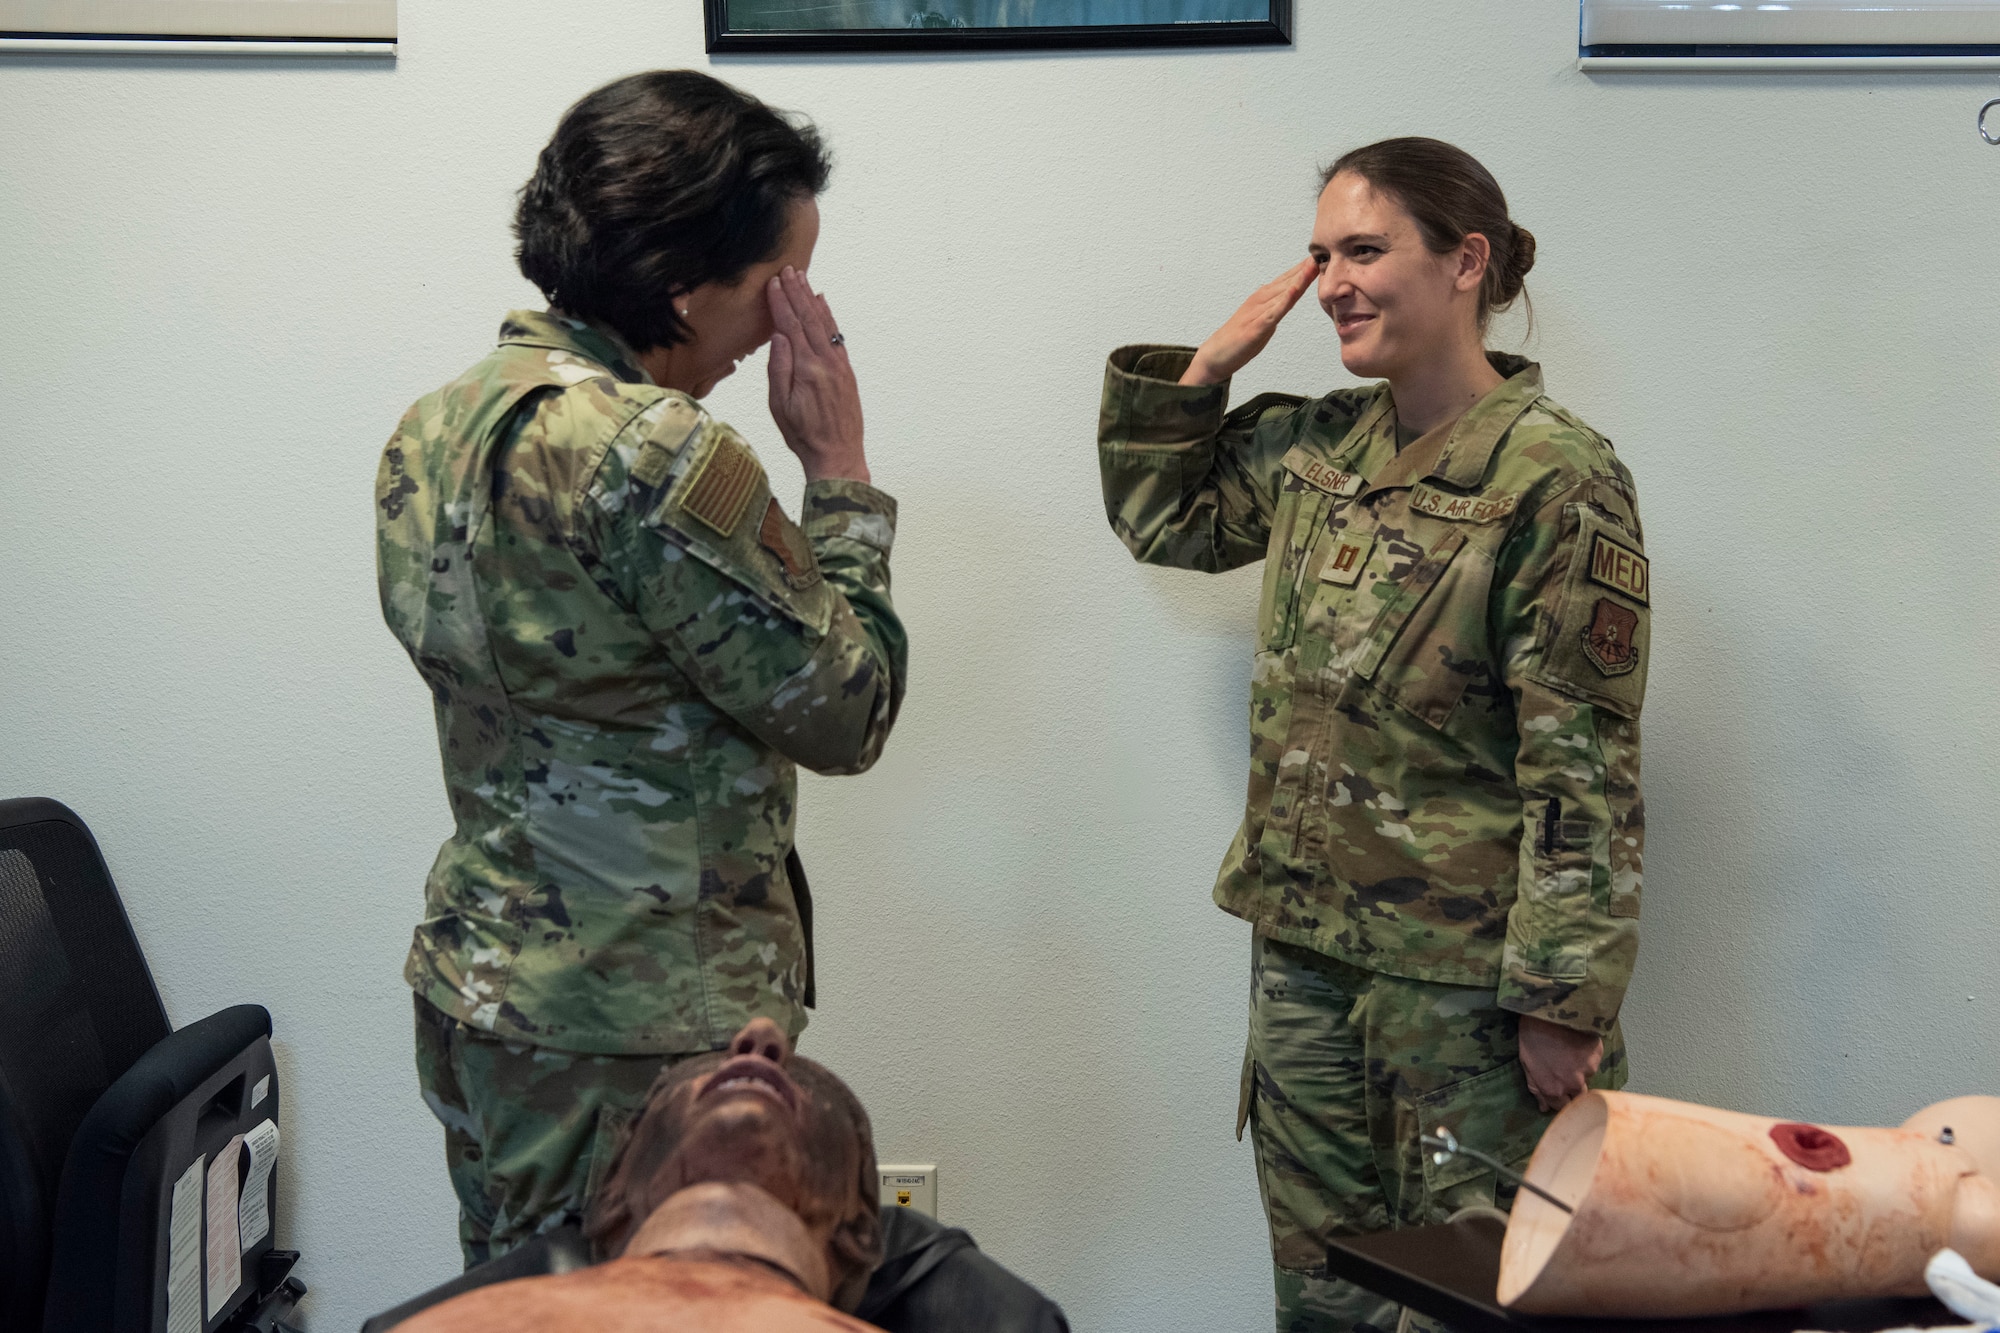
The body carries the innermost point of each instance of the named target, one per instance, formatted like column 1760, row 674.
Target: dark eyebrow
column 1365, row 238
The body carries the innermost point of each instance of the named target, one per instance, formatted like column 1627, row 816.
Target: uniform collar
column 1459, row 452
column 581, row 338
column 1477, row 434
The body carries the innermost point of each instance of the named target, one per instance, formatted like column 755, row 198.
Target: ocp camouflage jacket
column 629, row 645
column 1444, row 704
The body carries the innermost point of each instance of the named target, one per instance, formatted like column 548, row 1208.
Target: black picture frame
column 722, row 40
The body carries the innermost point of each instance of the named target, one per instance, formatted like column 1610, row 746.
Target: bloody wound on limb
column 1810, row 1146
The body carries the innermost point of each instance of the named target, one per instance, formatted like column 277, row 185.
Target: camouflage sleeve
column 789, row 630
column 1185, row 484
column 1572, row 619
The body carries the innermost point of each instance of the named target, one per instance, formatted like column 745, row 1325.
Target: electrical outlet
column 911, row 1187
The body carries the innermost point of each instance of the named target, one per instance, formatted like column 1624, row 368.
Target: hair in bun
column 1450, row 195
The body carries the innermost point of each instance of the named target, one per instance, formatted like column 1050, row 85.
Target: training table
column 1451, row 1271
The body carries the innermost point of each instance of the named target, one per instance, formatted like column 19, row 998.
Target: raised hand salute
column 1248, row 331
column 814, row 397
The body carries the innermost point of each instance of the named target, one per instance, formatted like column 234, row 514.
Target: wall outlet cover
column 907, row 1186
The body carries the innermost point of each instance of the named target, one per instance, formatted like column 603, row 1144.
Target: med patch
column 1615, row 566
column 1596, row 632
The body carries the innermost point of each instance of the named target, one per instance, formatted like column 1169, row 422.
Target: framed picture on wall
column 965, row 25
column 365, row 27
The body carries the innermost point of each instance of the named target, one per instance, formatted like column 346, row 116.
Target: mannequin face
column 1394, row 303
column 731, row 320
column 754, row 1114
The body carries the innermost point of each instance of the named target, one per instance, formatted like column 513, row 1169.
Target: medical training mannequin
column 1685, row 1210
column 744, row 1199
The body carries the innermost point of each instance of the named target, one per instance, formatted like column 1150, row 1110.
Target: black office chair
column 104, row 1110
column 932, row 1277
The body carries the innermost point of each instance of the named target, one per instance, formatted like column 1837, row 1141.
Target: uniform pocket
column 1297, row 524
column 1428, row 640
column 1493, row 1112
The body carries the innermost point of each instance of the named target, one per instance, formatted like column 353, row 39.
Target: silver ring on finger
column 838, row 339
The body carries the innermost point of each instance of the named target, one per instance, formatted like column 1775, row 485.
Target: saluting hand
column 814, row 398
column 1249, row 330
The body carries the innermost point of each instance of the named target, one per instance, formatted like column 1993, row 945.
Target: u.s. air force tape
column 1465, row 508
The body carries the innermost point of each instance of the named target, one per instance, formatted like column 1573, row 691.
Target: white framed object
column 1805, row 35
column 199, row 27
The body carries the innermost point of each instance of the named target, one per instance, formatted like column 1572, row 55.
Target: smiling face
column 754, row 1114
column 1393, row 301
column 731, row 320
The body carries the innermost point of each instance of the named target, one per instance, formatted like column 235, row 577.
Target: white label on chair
column 254, row 1212
column 184, row 1253
column 225, row 1256
column 260, row 1091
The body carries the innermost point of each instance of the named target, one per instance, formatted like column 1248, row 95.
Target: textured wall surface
column 223, row 282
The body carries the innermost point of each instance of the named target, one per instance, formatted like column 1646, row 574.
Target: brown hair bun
column 1520, row 258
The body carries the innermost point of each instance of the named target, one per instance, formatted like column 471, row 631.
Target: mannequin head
column 775, row 1141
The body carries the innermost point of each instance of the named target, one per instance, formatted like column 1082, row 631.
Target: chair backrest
column 160, row 1182
column 77, row 1008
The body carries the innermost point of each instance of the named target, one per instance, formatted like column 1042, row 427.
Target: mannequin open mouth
column 755, row 1075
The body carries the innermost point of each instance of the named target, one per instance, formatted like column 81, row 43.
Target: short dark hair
column 1450, row 194
column 655, row 185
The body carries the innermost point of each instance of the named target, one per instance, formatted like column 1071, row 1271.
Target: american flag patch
column 721, row 485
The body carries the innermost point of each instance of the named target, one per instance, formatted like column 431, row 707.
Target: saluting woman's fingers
column 784, row 316
column 1291, row 285
column 816, row 325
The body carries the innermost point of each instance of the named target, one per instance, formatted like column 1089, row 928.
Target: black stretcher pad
column 1450, row 1272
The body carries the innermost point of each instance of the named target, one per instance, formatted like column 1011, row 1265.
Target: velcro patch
column 667, row 424
column 1347, row 559
column 653, row 462
column 721, row 484
column 1620, row 569
column 1429, row 500
column 782, row 538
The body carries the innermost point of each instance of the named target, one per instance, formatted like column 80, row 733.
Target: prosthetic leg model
column 1684, row 1210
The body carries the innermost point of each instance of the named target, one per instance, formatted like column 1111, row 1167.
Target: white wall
column 223, row 282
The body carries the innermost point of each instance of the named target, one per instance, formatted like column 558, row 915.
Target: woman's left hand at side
column 814, row 397
column 1558, row 1061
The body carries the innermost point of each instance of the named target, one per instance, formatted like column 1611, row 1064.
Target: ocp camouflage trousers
column 528, row 1132
column 1344, row 1071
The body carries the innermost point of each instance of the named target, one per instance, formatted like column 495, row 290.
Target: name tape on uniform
column 1620, row 569
column 1347, row 559
column 1329, row 479
column 1464, row 508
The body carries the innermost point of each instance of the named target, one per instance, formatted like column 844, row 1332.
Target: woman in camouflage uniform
column 628, row 642
column 1440, row 851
